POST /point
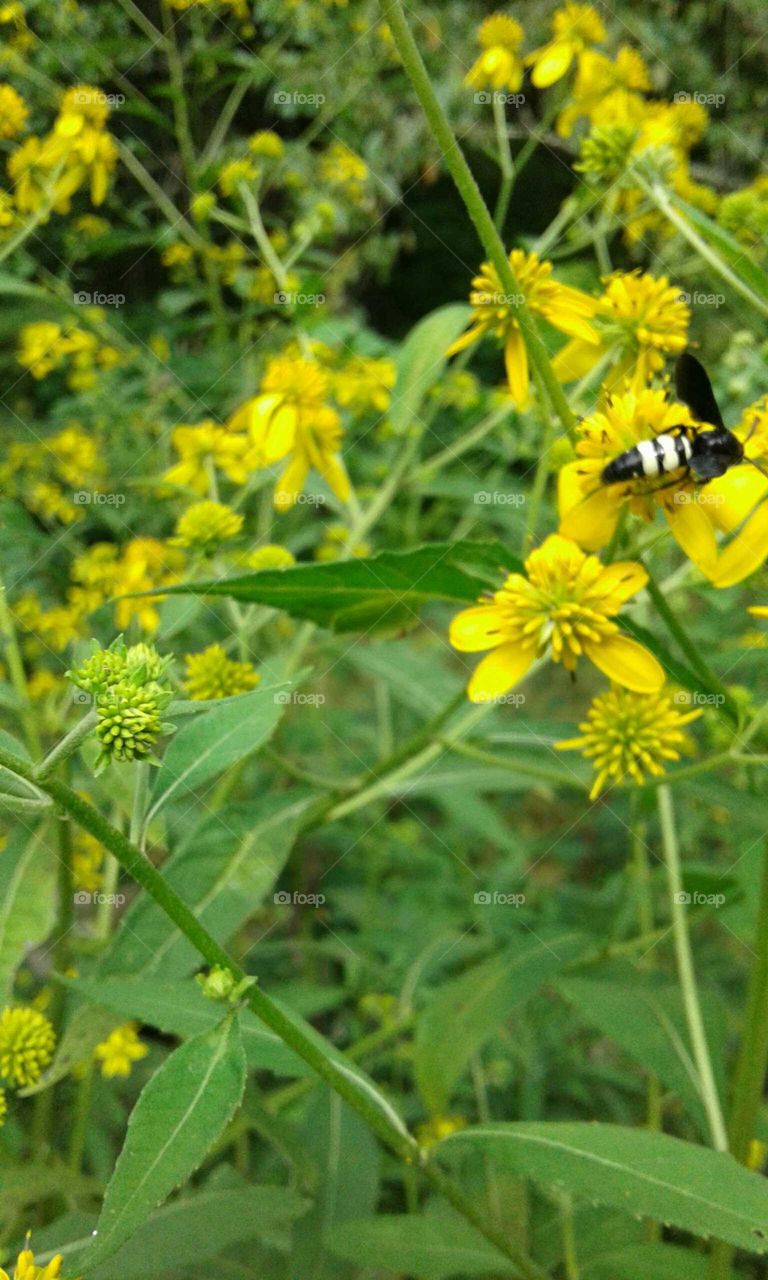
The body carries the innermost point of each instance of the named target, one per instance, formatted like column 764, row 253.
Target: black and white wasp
column 704, row 452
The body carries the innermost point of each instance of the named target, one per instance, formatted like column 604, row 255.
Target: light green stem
column 686, row 975
column 475, row 205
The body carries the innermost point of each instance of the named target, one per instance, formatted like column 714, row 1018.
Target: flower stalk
column 469, row 191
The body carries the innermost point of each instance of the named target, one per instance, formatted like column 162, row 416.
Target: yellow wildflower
column 738, row 504
column 266, row 143
column 568, row 309
column 207, row 524
column 235, row 172
column 589, row 509
column 606, row 89
column 641, row 319
column 342, row 167
column 439, row 1127
column 208, row 445
column 177, row 255
column 574, row 28
column 630, row 734
column 42, row 347
column 364, row 383
column 119, row 1051
column 211, row 674
column 13, row 111
column 26, row 1268
column 87, row 860
column 271, row 556
column 565, row 605
column 498, row 66
column 27, row 1042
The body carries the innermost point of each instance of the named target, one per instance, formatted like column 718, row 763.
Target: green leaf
column 384, row 591
column 692, row 1188
column 212, row 742
column 190, row 1231
column 27, row 900
column 181, row 1009
column 422, row 360
column 432, row 1248
column 88, row 1025
column 177, row 1119
column 346, row 1172
column 468, row 1010
column 652, row 1262
column 223, row 871
column 648, row 1027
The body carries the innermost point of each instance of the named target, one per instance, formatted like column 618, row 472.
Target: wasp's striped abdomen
column 650, row 458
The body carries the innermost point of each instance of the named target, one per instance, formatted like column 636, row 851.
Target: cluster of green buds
column 606, row 152
column 130, row 693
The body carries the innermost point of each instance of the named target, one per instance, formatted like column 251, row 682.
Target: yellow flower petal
column 290, row 484
column 516, row 362
column 333, row 471
column 499, row 672
column 692, row 529
column 758, row 610
column 476, row 629
column 745, row 553
column 734, row 496
column 576, row 359
column 623, row 579
column 552, row 63
column 627, row 662
column 464, row 340
column 589, row 519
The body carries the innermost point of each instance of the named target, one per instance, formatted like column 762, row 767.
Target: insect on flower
column 705, row 453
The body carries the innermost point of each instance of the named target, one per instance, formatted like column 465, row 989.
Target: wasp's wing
column 694, row 389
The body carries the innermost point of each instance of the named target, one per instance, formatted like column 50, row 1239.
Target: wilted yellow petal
column 516, row 361
column 745, row 553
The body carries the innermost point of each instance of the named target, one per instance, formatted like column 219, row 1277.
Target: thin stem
column 686, row 975
column 67, row 745
column 309, row 1045
column 691, row 651
column 17, row 674
column 475, row 205
column 505, row 162
column 660, row 198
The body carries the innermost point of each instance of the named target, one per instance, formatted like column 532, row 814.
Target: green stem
column 690, row 649
column 505, row 162
column 17, row 674
column 475, row 205
column 752, row 1061
column 473, row 1213
column 67, row 745
column 80, row 1116
column 686, row 975
column 523, row 768
column 659, row 196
